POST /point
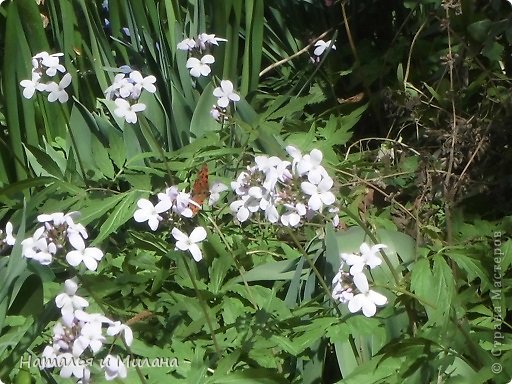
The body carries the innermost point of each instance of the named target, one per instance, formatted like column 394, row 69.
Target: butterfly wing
column 200, row 190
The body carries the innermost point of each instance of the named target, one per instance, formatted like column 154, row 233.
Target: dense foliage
column 358, row 153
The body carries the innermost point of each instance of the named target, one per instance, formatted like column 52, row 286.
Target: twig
column 475, row 152
column 296, row 54
column 449, row 193
column 408, row 67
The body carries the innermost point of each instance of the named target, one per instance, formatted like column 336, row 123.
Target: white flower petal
column 74, row 258
column 361, row 282
column 198, row 235
column 196, row 252
column 356, row 303
column 178, row 235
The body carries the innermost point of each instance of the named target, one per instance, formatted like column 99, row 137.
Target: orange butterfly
column 200, row 190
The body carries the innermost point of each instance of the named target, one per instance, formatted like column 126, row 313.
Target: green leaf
column 422, row 283
column 480, row 30
column 42, row 163
column 120, row 215
column 202, row 122
column 279, row 270
column 251, row 376
column 493, row 51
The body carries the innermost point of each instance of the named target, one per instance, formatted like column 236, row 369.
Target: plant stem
column 204, row 307
column 75, row 147
column 324, row 286
column 315, row 269
column 153, row 143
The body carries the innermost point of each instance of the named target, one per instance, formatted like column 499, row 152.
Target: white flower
column 170, row 194
column 143, row 82
column 49, row 355
column 203, row 39
column 151, row 214
column 38, row 248
column 113, row 90
column 58, row 218
column 291, row 218
column 9, row 238
column 96, row 318
column 31, row 86
column 335, row 217
column 239, row 208
column 182, row 203
column 297, row 159
column 76, row 230
column 117, row 327
column 271, row 213
column 189, row 243
column 368, row 257
column 215, row 190
column 225, row 93
column 89, row 256
column 269, row 166
column 38, row 58
column 186, row 44
column 320, row 193
column 52, row 63
column 342, row 290
column 126, row 88
column 90, row 337
column 321, row 46
column 215, row 113
column 68, row 302
column 240, row 184
column 200, row 67
column 71, row 366
column 127, row 110
column 32, row 244
column 266, row 164
column 310, row 165
column 114, row 367
column 57, row 91
column 294, row 153
column 283, row 172
column 367, row 300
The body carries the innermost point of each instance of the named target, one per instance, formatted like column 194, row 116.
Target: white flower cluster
column 224, row 94
column 200, row 65
column 352, row 287
column 45, row 68
column 172, row 206
column 285, row 191
column 77, row 334
column 51, row 239
column 126, row 91
column 80, row 335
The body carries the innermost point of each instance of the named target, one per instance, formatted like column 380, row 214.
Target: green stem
column 75, row 146
column 153, row 143
column 204, row 307
column 324, row 286
column 313, row 267
column 240, row 268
